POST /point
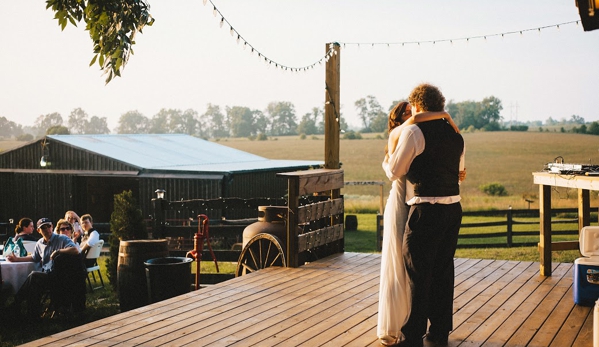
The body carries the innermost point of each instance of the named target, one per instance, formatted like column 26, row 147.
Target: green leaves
column 112, row 25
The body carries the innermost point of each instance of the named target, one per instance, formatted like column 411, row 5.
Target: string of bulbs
column 234, row 33
column 467, row 39
column 330, row 52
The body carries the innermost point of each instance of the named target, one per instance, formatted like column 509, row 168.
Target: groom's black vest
column 435, row 172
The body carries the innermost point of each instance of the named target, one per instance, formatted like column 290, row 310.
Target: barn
column 47, row 177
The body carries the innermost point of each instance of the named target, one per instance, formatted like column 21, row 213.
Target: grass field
column 508, row 158
column 364, row 240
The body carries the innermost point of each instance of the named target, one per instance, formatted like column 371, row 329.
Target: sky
column 186, row 60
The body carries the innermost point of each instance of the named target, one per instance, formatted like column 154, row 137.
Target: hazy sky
column 185, row 60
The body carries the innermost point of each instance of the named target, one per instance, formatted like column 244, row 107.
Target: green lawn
column 364, row 240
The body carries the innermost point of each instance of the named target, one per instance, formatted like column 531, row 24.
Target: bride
column 394, row 293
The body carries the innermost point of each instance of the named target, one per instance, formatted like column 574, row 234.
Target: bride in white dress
column 394, row 293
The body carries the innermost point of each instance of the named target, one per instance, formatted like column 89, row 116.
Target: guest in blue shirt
column 46, row 249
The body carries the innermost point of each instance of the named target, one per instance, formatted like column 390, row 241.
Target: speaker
column 589, row 14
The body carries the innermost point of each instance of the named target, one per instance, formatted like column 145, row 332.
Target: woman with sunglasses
column 64, row 227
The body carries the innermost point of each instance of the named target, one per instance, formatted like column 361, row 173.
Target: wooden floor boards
column 334, row 302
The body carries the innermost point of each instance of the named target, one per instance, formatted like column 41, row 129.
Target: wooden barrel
column 351, row 222
column 131, row 270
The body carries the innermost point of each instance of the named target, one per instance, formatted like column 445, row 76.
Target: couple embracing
column 425, row 162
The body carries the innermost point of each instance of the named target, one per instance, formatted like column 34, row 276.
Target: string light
column 215, row 11
column 332, row 51
column 452, row 40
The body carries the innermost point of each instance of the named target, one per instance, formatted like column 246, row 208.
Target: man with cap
column 46, row 249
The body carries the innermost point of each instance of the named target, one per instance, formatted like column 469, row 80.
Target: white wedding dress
column 394, row 292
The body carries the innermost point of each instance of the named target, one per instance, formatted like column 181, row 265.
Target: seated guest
column 24, row 230
column 46, row 250
column 75, row 221
column 90, row 236
column 63, row 227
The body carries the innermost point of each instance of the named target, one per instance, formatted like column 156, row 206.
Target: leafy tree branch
column 112, row 26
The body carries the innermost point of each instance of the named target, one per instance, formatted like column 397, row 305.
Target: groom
column 432, row 154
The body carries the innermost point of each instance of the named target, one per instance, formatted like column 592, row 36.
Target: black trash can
column 167, row 277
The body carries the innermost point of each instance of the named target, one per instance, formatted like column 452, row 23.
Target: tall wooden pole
column 332, row 107
column 332, row 119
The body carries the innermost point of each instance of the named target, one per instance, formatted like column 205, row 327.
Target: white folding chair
column 94, row 253
column 29, row 246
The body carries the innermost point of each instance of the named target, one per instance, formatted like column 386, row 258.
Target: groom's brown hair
column 428, row 98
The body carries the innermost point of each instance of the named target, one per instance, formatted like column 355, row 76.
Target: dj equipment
column 559, row 167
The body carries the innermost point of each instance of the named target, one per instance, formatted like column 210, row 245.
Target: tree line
column 277, row 119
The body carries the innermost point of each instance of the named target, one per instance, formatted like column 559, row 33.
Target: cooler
column 586, row 269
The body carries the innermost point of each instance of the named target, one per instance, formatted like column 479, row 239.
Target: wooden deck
column 333, row 302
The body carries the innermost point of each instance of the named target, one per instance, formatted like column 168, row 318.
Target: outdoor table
column 15, row 274
column 546, row 181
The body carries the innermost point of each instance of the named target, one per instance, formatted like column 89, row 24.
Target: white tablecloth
column 14, row 274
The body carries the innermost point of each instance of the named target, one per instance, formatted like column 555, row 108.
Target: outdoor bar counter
column 546, row 181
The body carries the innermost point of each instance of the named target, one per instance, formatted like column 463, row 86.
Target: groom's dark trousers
column 430, row 242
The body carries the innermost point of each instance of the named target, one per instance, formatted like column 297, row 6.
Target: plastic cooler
column 586, row 269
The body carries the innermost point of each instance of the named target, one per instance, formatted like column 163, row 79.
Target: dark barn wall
column 25, row 157
column 35, row 195
column 177, row 190
column 261, row 184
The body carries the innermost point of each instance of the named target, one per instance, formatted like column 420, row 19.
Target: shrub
column 352, row 135
column 262, row 137
column 126, row 223
column 493, row 189
column 302, row 136
column 522, row 128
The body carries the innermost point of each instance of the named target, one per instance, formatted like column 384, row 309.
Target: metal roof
column 175, row 152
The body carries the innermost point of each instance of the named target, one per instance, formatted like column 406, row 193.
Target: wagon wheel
column 262, row 251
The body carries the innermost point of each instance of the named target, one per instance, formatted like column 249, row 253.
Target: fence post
column 159, row 216
column 509, row 226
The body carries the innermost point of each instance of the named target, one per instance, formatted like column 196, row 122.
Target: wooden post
column 332, row 107
column 545, row 224
column 382, row 205
column 332, row 118
column 584, row 209
column 293, row 204
column 158, row 228
column 509, row 226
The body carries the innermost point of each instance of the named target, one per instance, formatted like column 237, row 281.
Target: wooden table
column 546, row 180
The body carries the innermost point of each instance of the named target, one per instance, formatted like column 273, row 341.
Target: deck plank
column 522, row 304
column 305, row 308
column 313, row 300
column 475, row 315
column 334, row 302
column 498, row 308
